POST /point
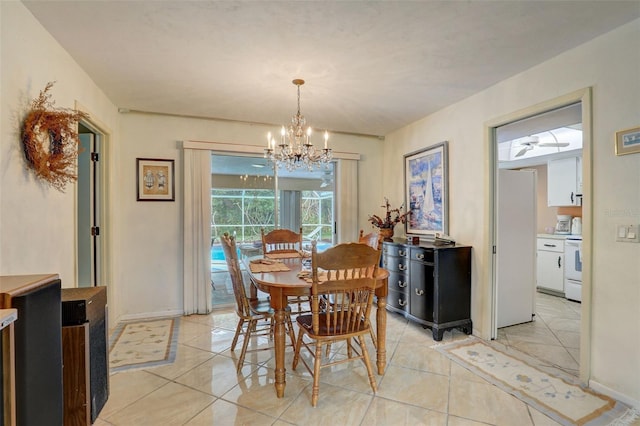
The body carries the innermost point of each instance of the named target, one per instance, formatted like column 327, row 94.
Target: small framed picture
column 628, row 141
column 155, row 179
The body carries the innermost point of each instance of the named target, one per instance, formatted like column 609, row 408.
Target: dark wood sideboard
column 430, row 284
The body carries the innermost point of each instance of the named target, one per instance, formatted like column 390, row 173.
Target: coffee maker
column 563, row 226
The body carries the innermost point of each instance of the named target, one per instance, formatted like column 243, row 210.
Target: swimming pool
column 218, row 254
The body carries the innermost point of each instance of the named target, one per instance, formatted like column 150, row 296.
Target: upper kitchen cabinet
column 564, row 182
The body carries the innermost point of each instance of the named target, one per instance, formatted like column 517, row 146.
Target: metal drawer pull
column 559, row 264
column 402, row 303
column 402, row 267
column 402, row 252
column 420, row 256
column 549, row 245
column 402, row 284
column 419, row 292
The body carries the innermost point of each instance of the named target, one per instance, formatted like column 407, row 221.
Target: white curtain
column 347, row 200
column 197, row 231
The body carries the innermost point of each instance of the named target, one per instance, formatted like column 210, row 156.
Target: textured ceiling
column 370, row 67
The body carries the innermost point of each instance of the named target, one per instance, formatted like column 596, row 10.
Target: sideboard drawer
column 394, row 250
column 421, row 254
column 397, row 300
column 395, row 264
column 398, row 281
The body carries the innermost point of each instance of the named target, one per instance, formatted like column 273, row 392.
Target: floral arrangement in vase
column 391, row 218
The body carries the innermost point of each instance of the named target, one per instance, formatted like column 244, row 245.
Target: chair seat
column 260, row 306
column 305, row 321
column 263, row 306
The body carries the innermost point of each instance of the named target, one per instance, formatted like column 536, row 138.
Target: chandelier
column 295, row 151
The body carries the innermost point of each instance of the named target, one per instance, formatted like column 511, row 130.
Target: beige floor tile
column 568, row 339
column 459, row 421
column 215, row 376
column 127, row 387
column 189, row 330
column 462, row 373
column 256, row 391
column 384, row 412
column 350, row 375
column 217, row 340
column 486, row 403
column 186, row 359
column 542, row 336
column 331, row 409
column 172, row 404
column 420, row 357
column 409, row 386
column 564, row 324
column 225, row 413
column 540, row 419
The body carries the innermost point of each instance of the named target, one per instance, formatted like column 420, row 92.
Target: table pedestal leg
column 279, row 303
column 381, row 325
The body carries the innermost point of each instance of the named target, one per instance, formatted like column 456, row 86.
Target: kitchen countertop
column 554, row 236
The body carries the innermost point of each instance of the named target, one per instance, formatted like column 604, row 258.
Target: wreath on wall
column 50, row 140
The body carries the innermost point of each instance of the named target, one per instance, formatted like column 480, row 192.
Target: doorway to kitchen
column 528, row 142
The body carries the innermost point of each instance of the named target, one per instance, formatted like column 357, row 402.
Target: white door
column 516, row 247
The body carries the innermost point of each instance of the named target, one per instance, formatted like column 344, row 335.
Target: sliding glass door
column 247, row 194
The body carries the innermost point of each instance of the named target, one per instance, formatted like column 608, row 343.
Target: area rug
column 143, row 344
column 566, row 402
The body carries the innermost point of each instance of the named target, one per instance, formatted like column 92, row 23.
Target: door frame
column 103, row 134
column 583, row 96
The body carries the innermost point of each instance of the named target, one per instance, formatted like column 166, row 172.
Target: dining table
column 280, row 284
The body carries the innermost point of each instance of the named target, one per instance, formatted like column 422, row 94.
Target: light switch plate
column 628, row 233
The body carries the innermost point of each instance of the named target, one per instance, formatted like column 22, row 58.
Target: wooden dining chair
column 250, row 310
column 345, row 274
column 372, row 239
column 280, row 243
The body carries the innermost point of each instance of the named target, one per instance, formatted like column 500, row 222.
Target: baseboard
column 614, row 394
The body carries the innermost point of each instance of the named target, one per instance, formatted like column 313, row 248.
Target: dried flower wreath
column 50, row 140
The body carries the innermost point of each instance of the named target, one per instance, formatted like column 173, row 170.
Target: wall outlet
column 628, row 233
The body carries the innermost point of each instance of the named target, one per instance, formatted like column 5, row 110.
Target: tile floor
column 553, row 337
column 420, row 386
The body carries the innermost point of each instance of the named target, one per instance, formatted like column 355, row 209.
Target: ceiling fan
column 534, row 141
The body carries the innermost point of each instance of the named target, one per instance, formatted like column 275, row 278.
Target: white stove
column 573, row 268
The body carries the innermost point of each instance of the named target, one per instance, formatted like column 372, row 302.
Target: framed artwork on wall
column 427, row 190
column 155, row 179
column 628, row 141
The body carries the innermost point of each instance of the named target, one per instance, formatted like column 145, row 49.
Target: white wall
column 610, row 65
column 153, row 238
column 37, row 222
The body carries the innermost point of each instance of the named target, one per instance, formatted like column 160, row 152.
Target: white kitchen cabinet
column 550, row 265
column 564, row 182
